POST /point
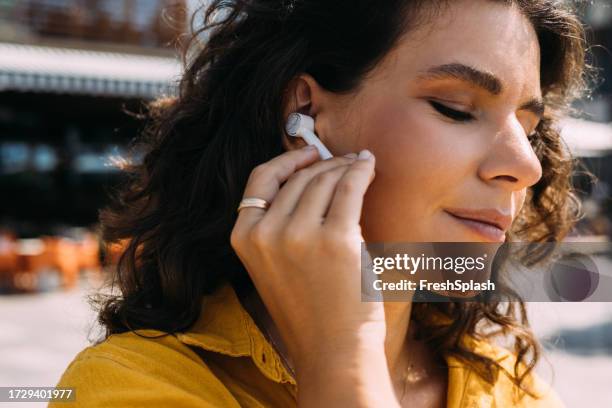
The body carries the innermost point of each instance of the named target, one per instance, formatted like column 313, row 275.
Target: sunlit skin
column 427, row 162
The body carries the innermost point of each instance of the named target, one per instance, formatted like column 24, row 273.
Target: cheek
column 417, row 152
column 420, row 163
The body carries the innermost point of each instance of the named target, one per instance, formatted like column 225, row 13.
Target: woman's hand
column 304, row 255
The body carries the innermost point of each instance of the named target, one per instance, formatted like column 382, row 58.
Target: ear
column 298, row 97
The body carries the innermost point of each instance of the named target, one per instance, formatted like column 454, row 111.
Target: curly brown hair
column 176, row 209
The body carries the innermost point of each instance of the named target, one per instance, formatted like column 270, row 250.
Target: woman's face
column 447, row 115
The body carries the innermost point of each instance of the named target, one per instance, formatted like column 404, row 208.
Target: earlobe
column 292, row 143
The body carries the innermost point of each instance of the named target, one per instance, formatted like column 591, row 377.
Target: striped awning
column 75, row 71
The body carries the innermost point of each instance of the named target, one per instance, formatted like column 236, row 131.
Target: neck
column 398, row 339
column 399, row 335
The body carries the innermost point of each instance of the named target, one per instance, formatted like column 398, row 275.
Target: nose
column 510, row 161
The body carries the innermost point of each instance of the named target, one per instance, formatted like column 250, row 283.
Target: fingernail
column 365, row 154
column 309, row 147
column 351, row 155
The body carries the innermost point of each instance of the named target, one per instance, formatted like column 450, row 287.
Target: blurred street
column 40, row 333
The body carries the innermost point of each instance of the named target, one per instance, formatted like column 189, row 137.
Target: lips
column 491, row 224
column 488, row 216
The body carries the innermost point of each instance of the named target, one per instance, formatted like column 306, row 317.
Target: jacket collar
column 224, row 326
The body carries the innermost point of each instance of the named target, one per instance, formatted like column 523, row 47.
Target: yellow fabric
column 225, row 361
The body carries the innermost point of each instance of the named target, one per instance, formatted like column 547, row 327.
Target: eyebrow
column 481, row 79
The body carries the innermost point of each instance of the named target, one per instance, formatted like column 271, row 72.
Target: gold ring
column 253, row 202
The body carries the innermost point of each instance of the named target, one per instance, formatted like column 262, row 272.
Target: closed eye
column 453, row 114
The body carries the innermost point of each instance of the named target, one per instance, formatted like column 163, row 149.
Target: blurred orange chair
column 8, row 260
column 62, row 254
column 65, row 255
column 89, row 253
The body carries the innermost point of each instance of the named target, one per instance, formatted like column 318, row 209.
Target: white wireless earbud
column 299, row 125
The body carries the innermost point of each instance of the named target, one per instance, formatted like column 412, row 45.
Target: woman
column 454, row 104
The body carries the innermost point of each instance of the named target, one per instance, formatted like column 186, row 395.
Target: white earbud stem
column 299, row 125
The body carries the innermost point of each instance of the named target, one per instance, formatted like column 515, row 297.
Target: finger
column 265, row 180
column 289, row 195
column 317, row 196
column 346, row 205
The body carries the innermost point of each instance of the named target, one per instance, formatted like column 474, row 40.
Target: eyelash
column 462, row 116
column 452, row 113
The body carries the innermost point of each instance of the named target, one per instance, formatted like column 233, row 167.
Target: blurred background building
column 590, row 137
column 69, row 71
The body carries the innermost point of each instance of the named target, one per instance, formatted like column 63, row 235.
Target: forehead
column 485, row 34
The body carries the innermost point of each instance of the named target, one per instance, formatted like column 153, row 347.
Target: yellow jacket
column 225, row 361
